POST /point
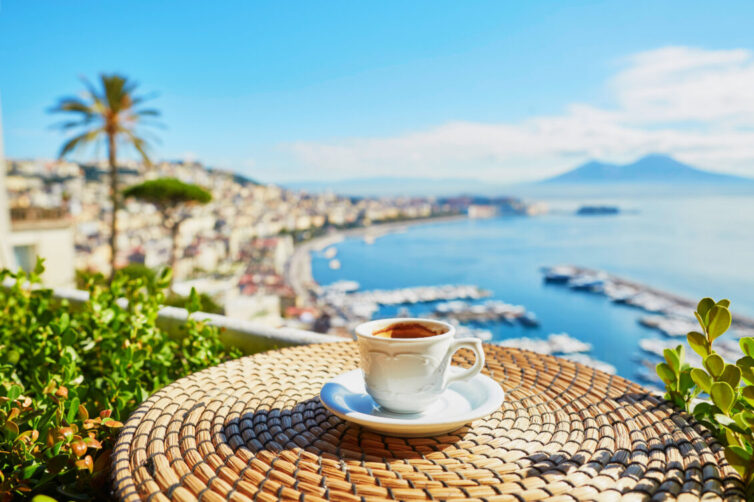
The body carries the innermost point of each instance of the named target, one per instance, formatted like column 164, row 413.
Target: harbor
column 653, row 319
column 669, row 315
column 486, row 312
column 673, row 313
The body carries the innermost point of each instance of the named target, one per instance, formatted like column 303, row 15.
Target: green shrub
column 728, row 410
column 70, row 376
column 206, row 303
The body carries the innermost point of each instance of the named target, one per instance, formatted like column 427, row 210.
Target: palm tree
column 169, row 195
column 112, row 113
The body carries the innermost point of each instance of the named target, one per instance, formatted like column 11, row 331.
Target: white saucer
column 461, row 403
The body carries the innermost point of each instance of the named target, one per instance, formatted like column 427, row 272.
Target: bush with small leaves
column 69, row 377
column 728, row 410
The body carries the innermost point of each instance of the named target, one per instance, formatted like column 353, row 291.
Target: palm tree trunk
column 115, row 199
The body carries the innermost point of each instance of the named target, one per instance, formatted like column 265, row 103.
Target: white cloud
column 695, row 104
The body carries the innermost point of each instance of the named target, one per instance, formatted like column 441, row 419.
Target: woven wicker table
column 254, row 429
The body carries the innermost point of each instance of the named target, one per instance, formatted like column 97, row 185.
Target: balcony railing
column 249, row 336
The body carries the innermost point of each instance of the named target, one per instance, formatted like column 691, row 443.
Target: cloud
column 695, row 104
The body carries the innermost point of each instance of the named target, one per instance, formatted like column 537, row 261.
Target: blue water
column 695, row 246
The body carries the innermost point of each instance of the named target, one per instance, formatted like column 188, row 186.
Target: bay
column 693, row 246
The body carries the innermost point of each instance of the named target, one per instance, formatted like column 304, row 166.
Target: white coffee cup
column 406, row 375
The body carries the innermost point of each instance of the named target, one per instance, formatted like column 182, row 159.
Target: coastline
column 298, row 270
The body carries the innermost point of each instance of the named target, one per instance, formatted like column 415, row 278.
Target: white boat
column 335, row 264
column 587, row 283
column 331, row 252
column 559, row 274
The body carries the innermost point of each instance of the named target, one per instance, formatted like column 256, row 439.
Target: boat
column 587, row 283
column 559, row 274
column 331, row 252
column 335, row 264
column 556, row 343
column 597, row 210
column 619, row 293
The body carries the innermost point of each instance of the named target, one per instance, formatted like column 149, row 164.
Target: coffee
column 409, row 330
column 406, row 361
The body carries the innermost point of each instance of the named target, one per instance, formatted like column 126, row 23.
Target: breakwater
column 672, row 313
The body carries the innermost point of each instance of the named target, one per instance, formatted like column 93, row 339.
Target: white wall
column 56, row 246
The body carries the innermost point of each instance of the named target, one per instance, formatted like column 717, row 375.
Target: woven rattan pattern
column 254, row 429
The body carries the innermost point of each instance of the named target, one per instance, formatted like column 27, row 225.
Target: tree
column 170, row 195
column 112, row 113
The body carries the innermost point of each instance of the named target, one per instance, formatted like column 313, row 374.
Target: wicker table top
column 254, row 429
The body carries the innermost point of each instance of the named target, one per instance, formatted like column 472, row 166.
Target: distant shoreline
column 298, row 271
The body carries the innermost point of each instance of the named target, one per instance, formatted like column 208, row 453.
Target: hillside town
column 234, row 249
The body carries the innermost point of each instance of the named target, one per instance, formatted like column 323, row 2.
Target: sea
column 694, row 246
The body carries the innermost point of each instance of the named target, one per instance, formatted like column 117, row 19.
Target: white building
column 33, row 233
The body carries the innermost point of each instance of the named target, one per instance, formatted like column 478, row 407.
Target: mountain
column 655, row 168
column 394, row 186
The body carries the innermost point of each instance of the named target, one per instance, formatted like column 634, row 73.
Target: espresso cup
column 406, row 375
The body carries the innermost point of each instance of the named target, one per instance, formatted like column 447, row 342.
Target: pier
column 489, row 311
column 655, row 301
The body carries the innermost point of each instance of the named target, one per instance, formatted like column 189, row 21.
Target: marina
column 674, row 314
column 562, row 345
column 489, row 311
column 356, row 306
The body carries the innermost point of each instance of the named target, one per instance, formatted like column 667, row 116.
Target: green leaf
column 43, row 498
column 700, row 408
column 194, row 303
column 724, row 420
column 702, row 379
column 703, row 307
column 746, row 365
column 722, row 395
column 686, row 382
column 747, row 345
column 714, row 364
column 719, row 320
column 736, row 459
column 14, row 392
column 745, row 419
column 665, row 373
column 673, row 360
column 73, row 409
column 29, row 470
column 724, row 303
column 748, row 394
column 64, row 322
column 698, row 343
column 731, row 375
column 701, row 321
column 741, row 452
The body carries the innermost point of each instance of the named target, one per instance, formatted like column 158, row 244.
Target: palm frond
column 73, row 124
column 94, row 94
column 107, row 108
column 113, row 86
column 139, row 144
column 73, row 104
column 79, row 141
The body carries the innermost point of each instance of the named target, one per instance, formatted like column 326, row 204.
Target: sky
column 498, row 91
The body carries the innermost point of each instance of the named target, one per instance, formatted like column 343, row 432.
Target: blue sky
column 327, row 90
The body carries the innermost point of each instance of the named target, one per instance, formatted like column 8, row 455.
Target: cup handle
column 475, row 345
